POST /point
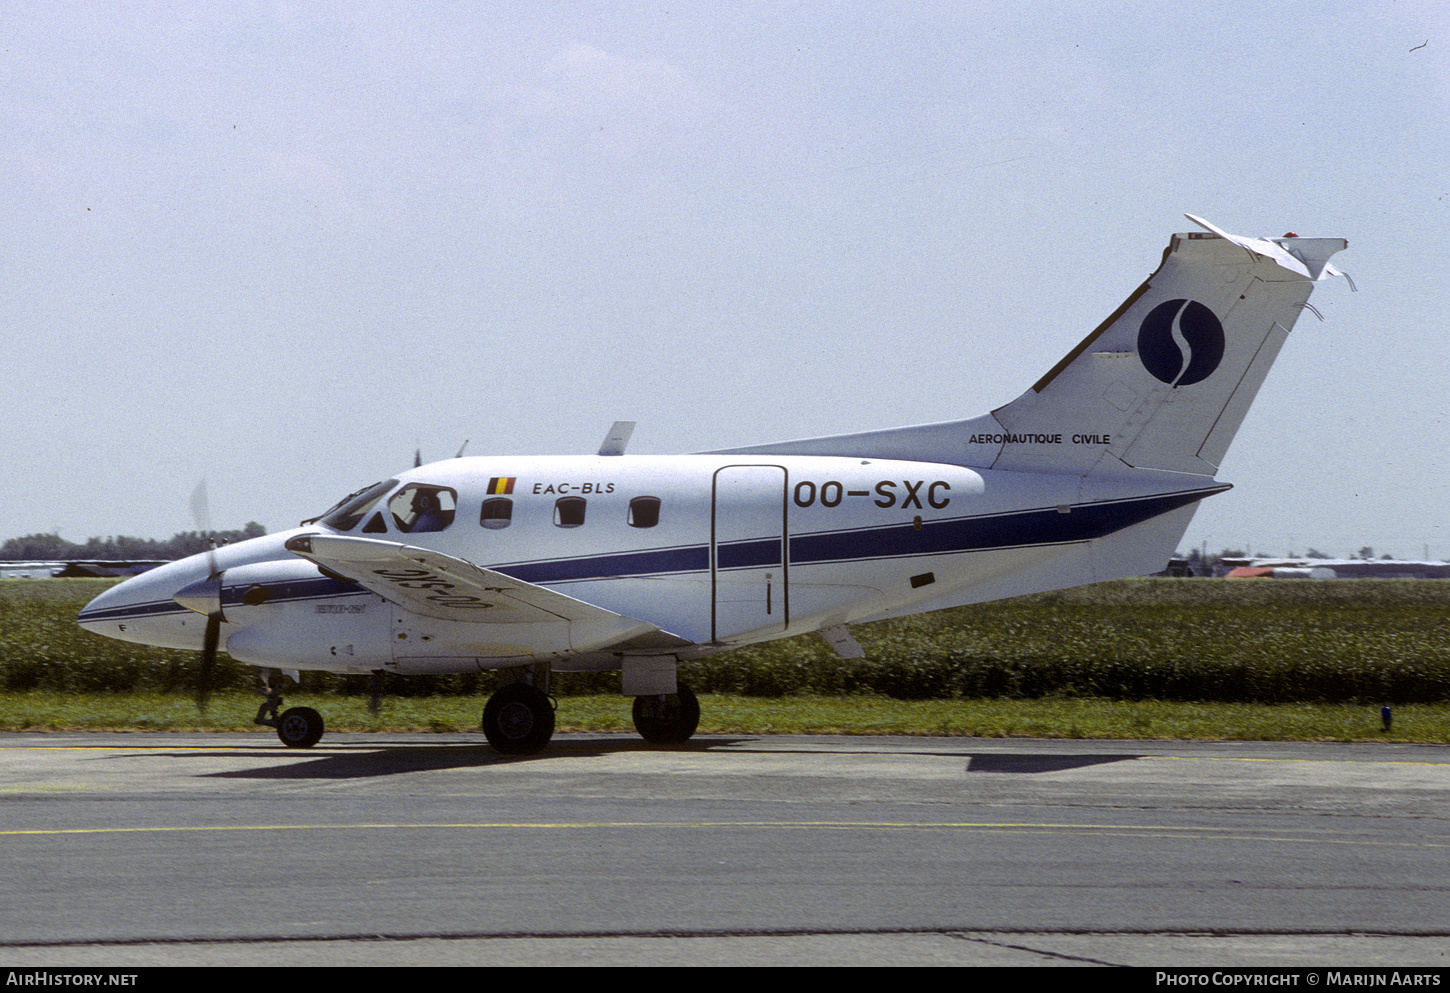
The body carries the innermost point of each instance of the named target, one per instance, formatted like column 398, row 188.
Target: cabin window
column 419, row 508
column 498, row 512
column 644, row 512
column 569, row 512
column 376, row 524
column 351, row 509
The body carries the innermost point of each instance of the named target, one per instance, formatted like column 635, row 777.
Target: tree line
column 46, row 547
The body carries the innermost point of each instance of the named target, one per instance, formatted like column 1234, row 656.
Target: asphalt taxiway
column 151, row 849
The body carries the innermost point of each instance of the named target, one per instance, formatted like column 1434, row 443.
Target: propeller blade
column 200, row 508
column 205, row 597
column 208, row 660
column 201, row 513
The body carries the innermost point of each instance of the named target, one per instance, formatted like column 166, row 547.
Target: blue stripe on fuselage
column 655, row 562
column 290, row 591
column 1020, row 529
column 1017, row 529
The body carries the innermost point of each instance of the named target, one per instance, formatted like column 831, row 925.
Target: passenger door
column 749, row 567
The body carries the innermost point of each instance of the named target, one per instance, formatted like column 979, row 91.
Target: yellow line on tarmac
column 1127, row 830
column 1247, row 758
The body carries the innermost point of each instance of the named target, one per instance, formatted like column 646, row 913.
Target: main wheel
column 300, row 727
column 667, row 720
column 518, row 720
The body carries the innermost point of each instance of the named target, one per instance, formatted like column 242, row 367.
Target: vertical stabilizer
column 1165, row 382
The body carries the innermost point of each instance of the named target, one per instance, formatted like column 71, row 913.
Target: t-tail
column 1162, row 384
column 1166, row 380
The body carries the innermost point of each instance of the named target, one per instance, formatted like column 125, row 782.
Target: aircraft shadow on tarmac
column 1029, row 763
column 396, row 760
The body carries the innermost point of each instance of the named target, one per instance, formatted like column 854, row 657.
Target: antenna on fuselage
column 617, row 438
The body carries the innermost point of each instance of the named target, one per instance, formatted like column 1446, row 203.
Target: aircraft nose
column 102, row 608
column 145, row 609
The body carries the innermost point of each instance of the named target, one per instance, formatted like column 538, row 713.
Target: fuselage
column 716, row 550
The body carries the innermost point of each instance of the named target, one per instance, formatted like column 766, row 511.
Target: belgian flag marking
column 501, row 485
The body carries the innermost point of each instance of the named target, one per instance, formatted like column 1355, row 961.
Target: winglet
column 617, row 438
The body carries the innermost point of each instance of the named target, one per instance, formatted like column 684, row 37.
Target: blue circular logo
column 1180, row 342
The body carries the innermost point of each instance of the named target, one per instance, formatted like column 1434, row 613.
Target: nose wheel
column 298, row 727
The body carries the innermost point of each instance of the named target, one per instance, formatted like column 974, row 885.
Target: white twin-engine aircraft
column 639, row 562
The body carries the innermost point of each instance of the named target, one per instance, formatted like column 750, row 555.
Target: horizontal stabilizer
column 838, row 636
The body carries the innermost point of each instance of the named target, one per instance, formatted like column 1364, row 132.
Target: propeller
column 206, row 597
column 208, row 653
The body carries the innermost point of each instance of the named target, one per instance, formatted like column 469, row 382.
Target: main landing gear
column 667, row 718
column 518, row 719
column 298, row 727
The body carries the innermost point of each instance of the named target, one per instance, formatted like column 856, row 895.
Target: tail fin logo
column 1180, row 342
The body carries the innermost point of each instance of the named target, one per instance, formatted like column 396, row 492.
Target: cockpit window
column 420, row 507
column 351, row 508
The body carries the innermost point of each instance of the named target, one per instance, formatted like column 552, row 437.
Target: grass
column 1082, row 717
column 1131, row 659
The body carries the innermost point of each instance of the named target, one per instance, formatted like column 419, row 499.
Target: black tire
column 518, row 720
column 300, row 727
column 667, row 720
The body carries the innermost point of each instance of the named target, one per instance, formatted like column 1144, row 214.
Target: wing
column 437, row 585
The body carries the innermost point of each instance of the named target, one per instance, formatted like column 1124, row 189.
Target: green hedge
column 1264, row 641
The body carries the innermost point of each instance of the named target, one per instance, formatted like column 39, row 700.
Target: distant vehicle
column 1291, row 568
column 1280, row 572
column 636, row 562
column 69, row 568
column 98, row 568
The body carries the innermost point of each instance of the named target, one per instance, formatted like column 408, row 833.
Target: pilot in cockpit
column 426, row 513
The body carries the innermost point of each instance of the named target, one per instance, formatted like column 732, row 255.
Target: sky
column 281, row 246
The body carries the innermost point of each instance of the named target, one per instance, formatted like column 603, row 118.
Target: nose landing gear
column 298, row 727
